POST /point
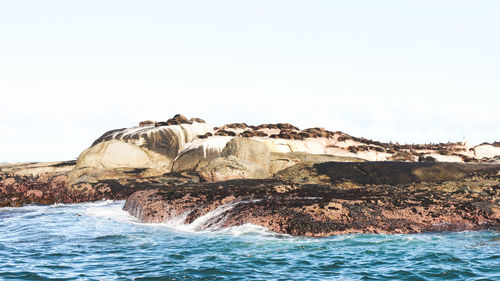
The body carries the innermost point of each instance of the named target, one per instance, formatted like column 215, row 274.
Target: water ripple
column 98, row 241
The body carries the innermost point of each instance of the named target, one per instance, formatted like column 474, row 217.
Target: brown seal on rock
column 247, row 134
column 197, row 120
column 158, row 124
column 362, row 148
column 353, row 149
column 146, row 123
column 445, row 152
column 286, row 136
column 235, row 126
column 181, row 118
column 401, row 156
column 377, row 148
column 320, row 132
column 259, row 133
column 307, row 135
column 205, row 135
column 423, row 158
column 172, row 122
column 225, row 133
column 343, row 138
column 286, row 126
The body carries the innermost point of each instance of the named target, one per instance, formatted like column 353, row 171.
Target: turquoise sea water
column 99, row 241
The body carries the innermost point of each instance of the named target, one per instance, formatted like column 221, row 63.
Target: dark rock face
column 400, row 172
column 388, row 203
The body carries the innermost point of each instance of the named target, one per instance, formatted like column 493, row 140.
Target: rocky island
column 311, row 182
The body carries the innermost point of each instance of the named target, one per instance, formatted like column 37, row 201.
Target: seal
column 285, row 136
column 286, row 126
column 159, row 124
column 343, row 138
column 247, row 134
column 225, row 133
column 307, row 135
column 146, row 123
column 197, row 120
column 423, row 158
column 181, row 119
column 259, row 133
column 235, row 126
column 318, row 132
column 205, row 135
column 353, row 149
column 172, row 122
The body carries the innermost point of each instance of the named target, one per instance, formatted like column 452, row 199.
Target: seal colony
column 311, row 181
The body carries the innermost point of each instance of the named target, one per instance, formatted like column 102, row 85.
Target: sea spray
column 212, row 220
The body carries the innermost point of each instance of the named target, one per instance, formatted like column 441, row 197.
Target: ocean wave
column 100, row 241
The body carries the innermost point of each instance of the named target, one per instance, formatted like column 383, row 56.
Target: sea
column 100, row 241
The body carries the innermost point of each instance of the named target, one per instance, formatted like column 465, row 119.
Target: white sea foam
column 213, row 221
column 247, row 228
column 209, row 221
column 108, row 209
column 105, row 210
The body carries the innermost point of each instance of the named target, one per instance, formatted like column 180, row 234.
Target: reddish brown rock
column 359, row 198
column 321, row 210
column 55, row 187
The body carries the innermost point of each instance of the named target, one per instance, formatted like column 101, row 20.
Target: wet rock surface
column 340, row 205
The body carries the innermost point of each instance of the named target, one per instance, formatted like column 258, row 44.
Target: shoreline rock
column 310, row 182
column 50, row 183
column 384, row 202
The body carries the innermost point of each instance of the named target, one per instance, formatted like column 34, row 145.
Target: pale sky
column 406, row 71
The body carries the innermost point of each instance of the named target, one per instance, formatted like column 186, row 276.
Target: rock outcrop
column 49, row 183
column 311, row 182
column 181, row 144
column 199, row 150
column 240, row 159
column 230, row 167
column 151, row 146
column 249, row 150
column 385, row 197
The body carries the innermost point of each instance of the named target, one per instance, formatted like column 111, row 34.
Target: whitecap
column 108, row 209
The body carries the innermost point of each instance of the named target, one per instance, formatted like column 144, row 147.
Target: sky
column 406, row 71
